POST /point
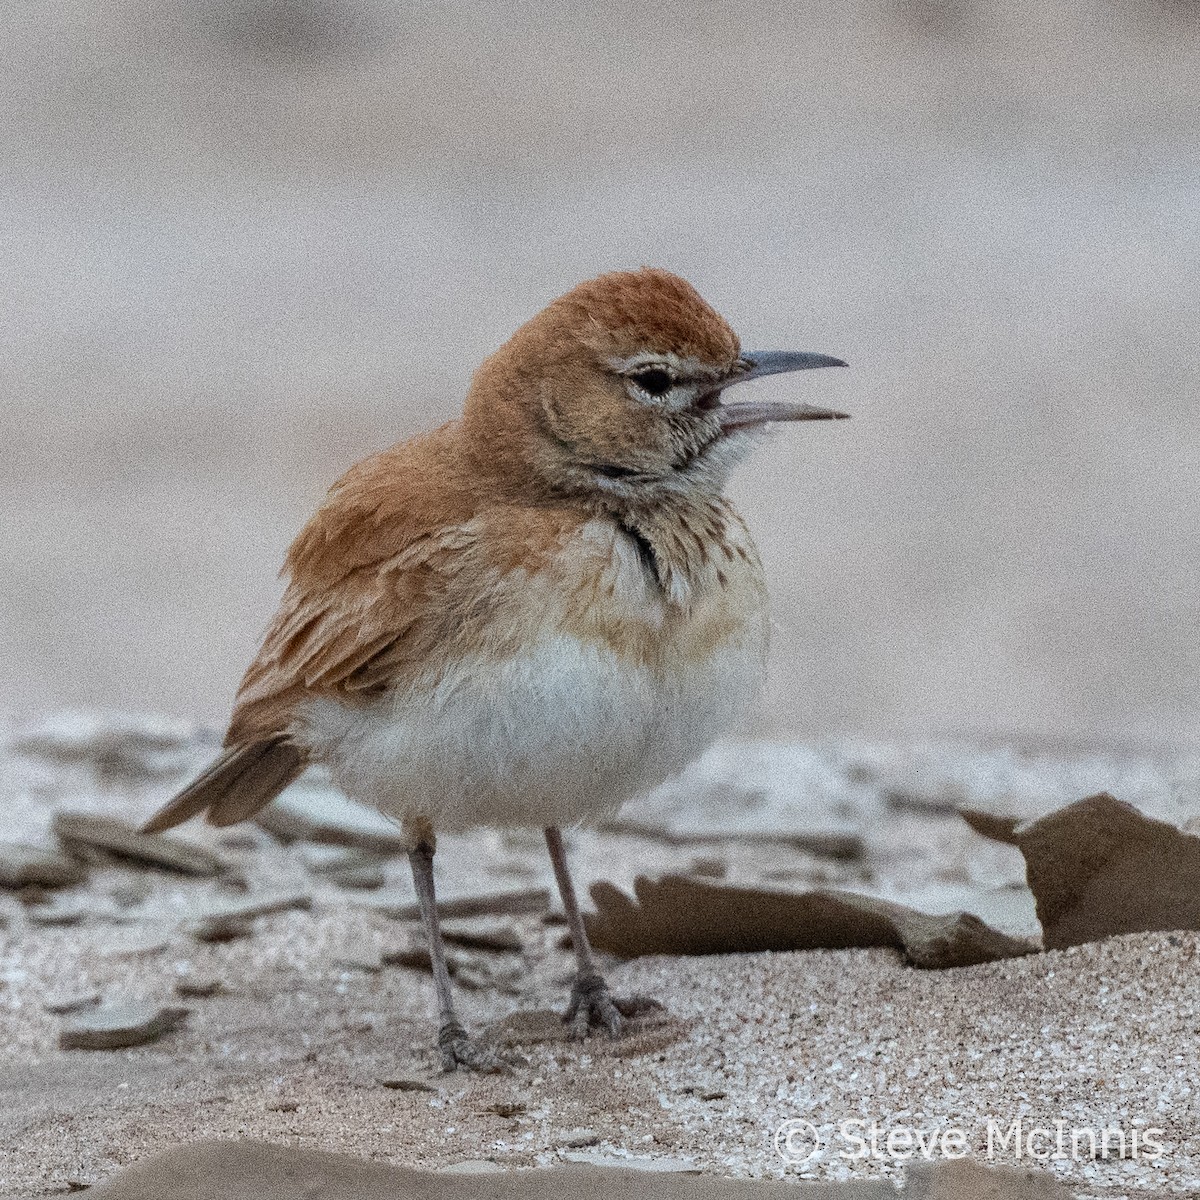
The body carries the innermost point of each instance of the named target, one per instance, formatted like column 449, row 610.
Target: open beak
column 754, row 364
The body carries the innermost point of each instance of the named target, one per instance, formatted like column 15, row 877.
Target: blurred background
column 249, row 241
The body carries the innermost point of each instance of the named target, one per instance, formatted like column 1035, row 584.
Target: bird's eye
column 654, row 381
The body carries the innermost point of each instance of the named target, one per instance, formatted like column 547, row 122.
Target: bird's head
column 616, row 392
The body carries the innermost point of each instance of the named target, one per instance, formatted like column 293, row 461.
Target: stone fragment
column 401, row 1084
column 682, row 915
column 69, row 1002
column 312, row 811
column 111, row 836
column 142, row 945
column 131, row 892
column 483, row 933
column 116, row 746
column 364, row 878
column 26, row 866
column 1099, row 867
column 513, row 901
column 119, row 1024
column 61, row 912
column 200, row 987
column 225, row 920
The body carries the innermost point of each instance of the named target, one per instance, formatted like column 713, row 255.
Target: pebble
column 25, row 866
column 119, row 1024
column 70, row 1002
column 111, row 836
column 401, row 1084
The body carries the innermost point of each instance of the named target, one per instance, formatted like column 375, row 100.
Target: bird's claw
column 458, row 1050
column 592, row 1004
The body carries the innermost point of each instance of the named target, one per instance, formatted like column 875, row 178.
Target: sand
column 299, row 1034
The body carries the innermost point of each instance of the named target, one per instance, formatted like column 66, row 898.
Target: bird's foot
column 593, row 1004
column 458, row 1050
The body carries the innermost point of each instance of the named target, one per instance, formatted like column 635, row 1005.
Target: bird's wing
column 368, row 595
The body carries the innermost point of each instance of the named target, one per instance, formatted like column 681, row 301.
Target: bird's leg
column 591, row 1002
column 457, row 1049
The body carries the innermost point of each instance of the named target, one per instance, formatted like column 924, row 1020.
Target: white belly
column 563, row 733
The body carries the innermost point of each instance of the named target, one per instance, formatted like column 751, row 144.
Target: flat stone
column 311, row 811
column 220, row 929
column 514, row 901
column 416, row 957
column 138, row 946
column 346, row 868
column 200, row 987
column 793, row 796
column 117, row 1025
column 225, row 920
column 835, row 840
column 112, row 836
column 365, row 878
column 70, row 1002
column 256, row 904
column 26, row 866
column 1100, row 867
column 401, row 1084
column 129, row 893
column 322, row 859
column 58, row 913
column 483, row 933
column 117, row 746
column 683, row 915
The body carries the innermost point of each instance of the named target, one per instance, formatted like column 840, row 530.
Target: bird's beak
column 754, row 364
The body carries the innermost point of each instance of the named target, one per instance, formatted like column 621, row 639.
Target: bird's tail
column 240, row 782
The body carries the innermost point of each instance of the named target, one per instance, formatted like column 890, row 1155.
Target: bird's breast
column 584, row 684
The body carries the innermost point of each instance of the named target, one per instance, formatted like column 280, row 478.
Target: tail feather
column 240, row 782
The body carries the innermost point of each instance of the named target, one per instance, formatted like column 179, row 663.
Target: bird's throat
column 688, row 548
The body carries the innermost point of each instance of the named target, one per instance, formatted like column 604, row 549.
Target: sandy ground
column 308, row 1026
column 251, row 241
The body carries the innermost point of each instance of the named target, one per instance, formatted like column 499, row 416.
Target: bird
column 530, row 614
